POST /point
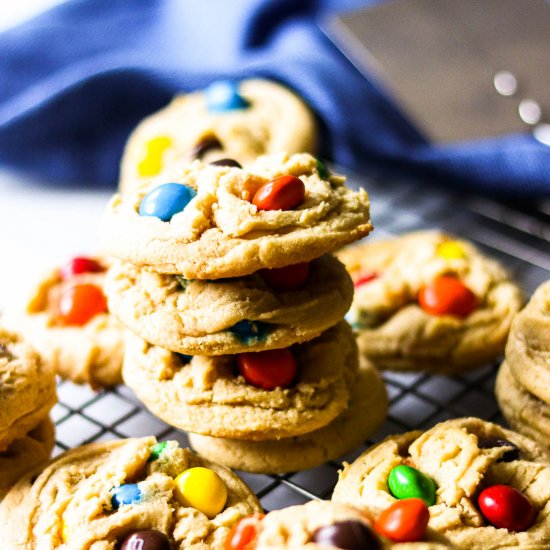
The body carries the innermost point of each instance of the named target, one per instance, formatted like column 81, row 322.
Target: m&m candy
column 404, row 521
column 126, row 494
column 268, row 370
column 224, row 96
column 281, row 193
column 226, row 162
column 145, row 540
column 350, row 535
column 250, row 332
column 290, row 277
column 447, row 295
column 243, row 532
column 506, row 508
column 79, row 303
column 156, row 451
column 151, row 163
column 364, row 278
column 207, row 143
column 408, row 482
column 202, row 489
column 166, row 200
column 490, row 442
column 451, row 250
column 80, row 265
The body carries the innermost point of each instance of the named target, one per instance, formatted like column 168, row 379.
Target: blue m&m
column 224, row 96
column 129, row 493
column 166, row 200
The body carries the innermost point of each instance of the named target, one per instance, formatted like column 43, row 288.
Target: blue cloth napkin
column 74, row 81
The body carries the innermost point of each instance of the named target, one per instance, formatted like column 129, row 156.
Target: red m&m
column 364, row 279
column 80, row 265
column 290, row 277
column 282, row 193
column 243, row 532
column 268, row 369
column 447, row 295
column 404, row 521
column 506, row 508
column 79, row 303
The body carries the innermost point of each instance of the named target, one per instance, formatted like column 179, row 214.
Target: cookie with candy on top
column 523, row 381
column 226, row 120
column 27, row 388
column 429, row 301
column 365, row 412
column 272, row 308
column 126, row 494
column 486, row 487
column 206, row 221
column 254, row 396
column 330, row 525
column 67, row 320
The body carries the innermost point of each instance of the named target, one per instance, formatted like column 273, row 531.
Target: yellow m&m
column 202, row 489
column 451, row 250
column 151, row 163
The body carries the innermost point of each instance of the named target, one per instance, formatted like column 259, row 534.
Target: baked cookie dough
column 271, row 120
column 207, row 395
column 97, row 495
column 219, row 233
column 524, row 411
column 26, row 454
column 365, row 413
column 84, row 353
column 27, row 388
column 210, row 317
column 396, row 333
column 528, row 346
column 300, row 527
column 463, row 458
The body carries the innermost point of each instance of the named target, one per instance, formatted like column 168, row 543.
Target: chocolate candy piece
column 202, row 489
column 281, row 193
column 146, row 540
column 490, row 442
column 207, row 143
column 408, row 482
column 506, row 508
column 290, row 277
column 79, row 303
column 404, row 521
column 129, row 493
column 226, row 162
column 348, row 535
column 156, row 451
column 224, row 96
column 275, row 368
column 250, row 332
column 185, row 359
column 447, row 295
column 322, row 170
column 80, row 265
column 166, row 200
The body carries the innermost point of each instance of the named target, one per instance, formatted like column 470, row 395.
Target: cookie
column 223, row 221
column 528, row 347
column 524, row 411
column 239, row 122
column 208, row 395
column 27, row 388
column 211, row 317
column 456, row 467
column 98, row 495
column 429, row 301
column 324, row 525
column 26, row 454
column 365, row 412
column 67, row 320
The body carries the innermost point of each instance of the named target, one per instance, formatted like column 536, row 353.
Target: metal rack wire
column 518, row 235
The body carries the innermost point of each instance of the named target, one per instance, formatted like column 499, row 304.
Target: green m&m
column 408, row 482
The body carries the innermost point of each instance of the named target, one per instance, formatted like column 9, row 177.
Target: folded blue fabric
column 74, row 82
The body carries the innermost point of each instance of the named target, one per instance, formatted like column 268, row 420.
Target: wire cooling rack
column 518, row 235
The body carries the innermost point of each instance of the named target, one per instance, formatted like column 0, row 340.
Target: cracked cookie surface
column 220, row 233
column 395, row 332
column 196, row 317
column 69, row 503
column 450, row 455
column 276, row 120
column 206, row 395
column 27, row 388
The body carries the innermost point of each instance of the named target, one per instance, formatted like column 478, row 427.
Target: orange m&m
column 282, row 193
column 447, row 295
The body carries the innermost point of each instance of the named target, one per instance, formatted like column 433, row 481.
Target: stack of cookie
column 235, row 306
column 523, row 381
column 27, row 393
